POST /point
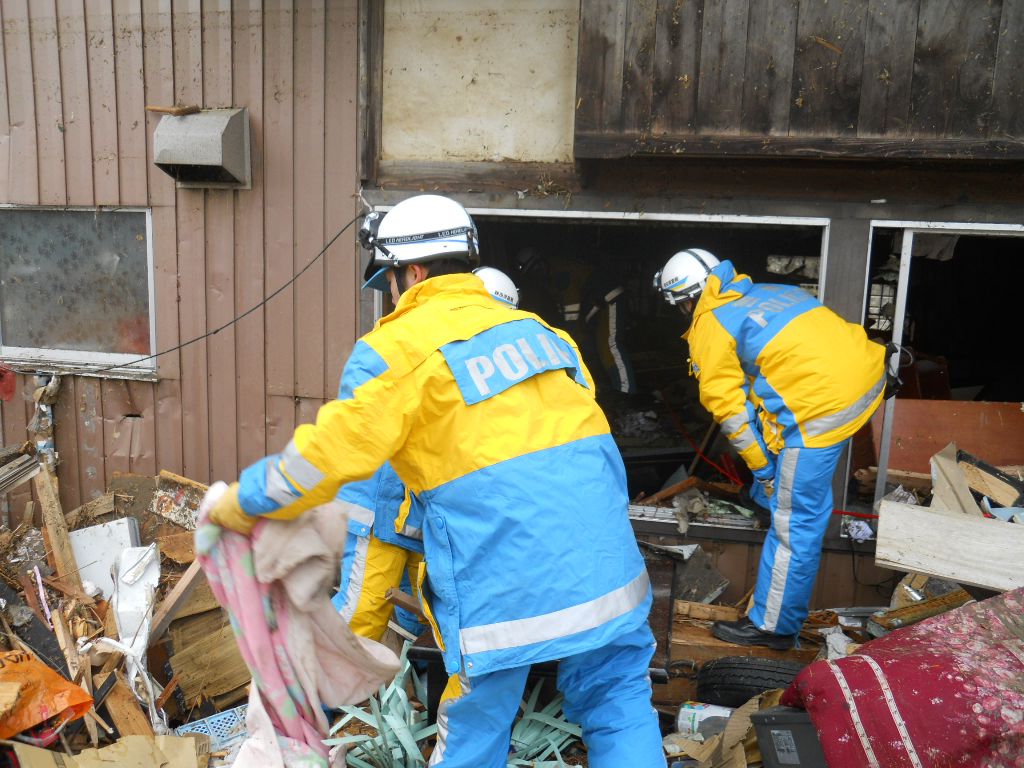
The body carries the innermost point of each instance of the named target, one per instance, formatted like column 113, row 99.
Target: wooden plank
column 599, row 65
column 846, row 263
column 686, row 609
column 179, row 547
column 988, row 481
column 1008, row 80
column 116, row 432
column 202, row 600
column 370, row 71
column 5, row 123
column 695, row 644
column 48, row 99
column 954, row 66
column 247, row 85
column 990, row 431
column 796, row 147
column 102, row 101
column 308, row 201
column 125, row 712
column 210, row 667
column 186, row 631
column 77, row 118
column 924, row 609
column 220, row 266
column 723, row 55
column 131, row 133
column 768, row 69
column 343, row 262
column 56, row 528
column 87, row 513
column 967, row 550
column 168, row 609
column 91, row 464
column 638, row 65
column 65, row 440
column 676, row 66
column 142, row 425
column 23, row 173
column 15, row 421
column 889, row 38
column 827, row 68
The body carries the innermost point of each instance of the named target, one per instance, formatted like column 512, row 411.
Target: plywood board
column 695, row 644
column 210, row 667
column 967, row 550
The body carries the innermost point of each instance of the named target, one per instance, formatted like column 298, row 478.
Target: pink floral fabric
column 948, row 691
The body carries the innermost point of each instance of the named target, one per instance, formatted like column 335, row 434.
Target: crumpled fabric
column 275, row 587
column 947, row 691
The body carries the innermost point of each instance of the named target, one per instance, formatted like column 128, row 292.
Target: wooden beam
column 175, row 599
column 695, row 644
column 57, row 530
column 620, row 145
column 951, row 490
column 924, row 609
column 686, row 609
column 402, row 600
column 961, row 548
column 125, row 712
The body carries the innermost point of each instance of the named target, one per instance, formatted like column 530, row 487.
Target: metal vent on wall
column 208, row 149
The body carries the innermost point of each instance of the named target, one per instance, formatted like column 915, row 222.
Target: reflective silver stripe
column 411, row 532
column 613, row 294
column 735, row 423
column 858, row 724
column 549, row 626
column 355, row 579
column 356, row 513
column 897, row 718
column 613, row 348
column 570, row 307
column 572, row 315
column 823, row 424
column 277, row 487
column 298, row 468
column 743, row 440
column 780, row 523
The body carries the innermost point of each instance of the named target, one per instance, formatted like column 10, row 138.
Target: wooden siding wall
column 848, row 77
column 75, row 76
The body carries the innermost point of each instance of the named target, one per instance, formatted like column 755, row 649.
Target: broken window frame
column 87, row 363
column 910, row 230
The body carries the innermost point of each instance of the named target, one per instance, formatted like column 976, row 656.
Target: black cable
column 228, row 324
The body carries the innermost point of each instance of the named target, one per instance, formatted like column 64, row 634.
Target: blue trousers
column 801, row 508
column 607, row 691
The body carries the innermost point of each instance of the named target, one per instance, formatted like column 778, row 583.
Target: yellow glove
column 221, row 502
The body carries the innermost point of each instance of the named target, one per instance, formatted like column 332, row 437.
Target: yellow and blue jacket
column 778, row 369
column 488, row 417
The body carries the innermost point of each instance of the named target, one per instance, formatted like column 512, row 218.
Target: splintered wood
column 210, row 667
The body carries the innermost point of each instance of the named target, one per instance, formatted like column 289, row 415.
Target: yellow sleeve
column 723, row 388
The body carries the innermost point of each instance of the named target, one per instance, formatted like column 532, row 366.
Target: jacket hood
column 724, row 285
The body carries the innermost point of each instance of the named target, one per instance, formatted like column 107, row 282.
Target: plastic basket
column 224, row 729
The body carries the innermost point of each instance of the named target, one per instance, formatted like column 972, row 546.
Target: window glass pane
column 74, row 280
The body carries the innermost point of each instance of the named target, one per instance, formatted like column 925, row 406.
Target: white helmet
column 685, row 275
column 499, row 285
column 417, row 230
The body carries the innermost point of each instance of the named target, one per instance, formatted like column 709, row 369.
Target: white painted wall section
column 469, row 80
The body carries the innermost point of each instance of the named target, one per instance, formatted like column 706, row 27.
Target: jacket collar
column 461, row 289
column 724, row 286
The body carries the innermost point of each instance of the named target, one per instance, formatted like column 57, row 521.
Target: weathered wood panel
column 887, row 74
column 74, row 79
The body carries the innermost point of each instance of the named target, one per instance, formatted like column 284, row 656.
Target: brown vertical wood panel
column 676, row 65
column 1008, row 83
column 5, row 122
column 102, row 101
column 768, row 78
column 65, row 440
column 131, row 101
column 889, row 40
column 723, row 55
column 74, row 76
column 342, row 260
column 306, row 408
column 638, row 65
column 220, row 268
column 117, row 427
column 278, row 98
column 49, row 111
column 599, row 65
column 191, row 206
column 308, row 205
column 16, row 416
column 827, row 68
column 954, row 66
column 91, row 465
column 23, row 184
column 142, row 446
column 247, row 84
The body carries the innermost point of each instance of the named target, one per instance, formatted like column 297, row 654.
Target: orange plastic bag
column 43, row 694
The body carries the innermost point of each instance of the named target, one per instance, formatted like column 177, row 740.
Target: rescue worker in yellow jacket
column 485, row 414
column 790, row 382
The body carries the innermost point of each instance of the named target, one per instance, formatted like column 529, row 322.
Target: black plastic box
column 787, row 739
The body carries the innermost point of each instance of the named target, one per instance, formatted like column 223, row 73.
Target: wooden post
column 56, row 528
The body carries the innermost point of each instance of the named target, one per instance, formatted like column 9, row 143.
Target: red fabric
column 957, row 686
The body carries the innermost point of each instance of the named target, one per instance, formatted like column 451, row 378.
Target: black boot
column 743, row 632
